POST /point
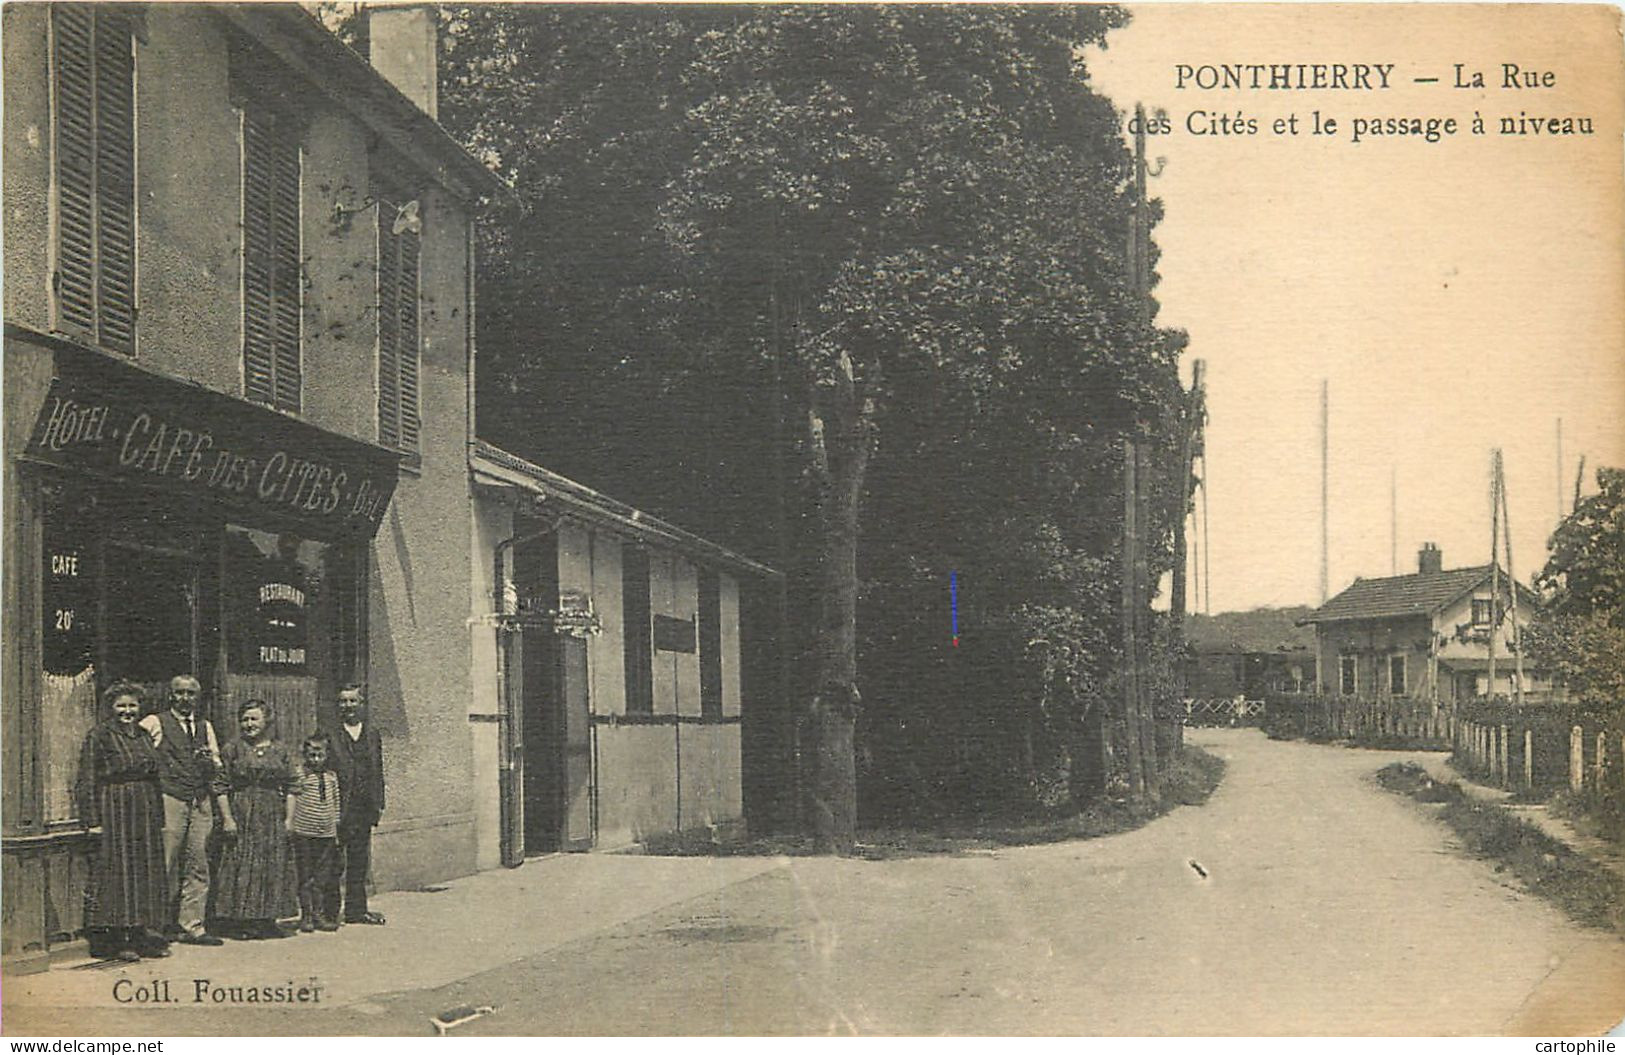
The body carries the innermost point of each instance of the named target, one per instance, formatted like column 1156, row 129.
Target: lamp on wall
column 408, row 218
column 340, row 217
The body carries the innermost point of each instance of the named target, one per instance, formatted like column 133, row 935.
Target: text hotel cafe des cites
column 239, row 423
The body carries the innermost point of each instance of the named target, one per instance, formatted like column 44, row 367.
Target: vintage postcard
column 799, row 519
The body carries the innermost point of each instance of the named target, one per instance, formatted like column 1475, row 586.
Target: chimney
column 401, row 45
column 1429, row 559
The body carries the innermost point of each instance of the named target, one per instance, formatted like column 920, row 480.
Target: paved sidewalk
column 475, row 924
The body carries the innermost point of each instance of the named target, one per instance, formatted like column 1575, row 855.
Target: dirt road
column 1301, row 899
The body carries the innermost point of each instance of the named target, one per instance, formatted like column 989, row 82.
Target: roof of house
column 299, row 39
column 493, row 465
column 1402, row 595
column 1259, row 630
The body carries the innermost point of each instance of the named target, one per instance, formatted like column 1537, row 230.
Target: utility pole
column 1140, row 235
column 1129, row 727
column 1194, row 411
column 1512, row 583
column 1560, row 478
column 1325, row 422
column 1143, row 635
column 1495, row 563
column 1207, row 551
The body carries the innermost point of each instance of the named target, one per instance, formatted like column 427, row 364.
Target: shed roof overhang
column 492, row 467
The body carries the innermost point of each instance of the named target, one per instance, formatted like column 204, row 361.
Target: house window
column 710, row 645
column 398, row 330
column 271, row 272
column 1396, row 675
column 1483, row 611
column 1347, row 684
column 94, row 120
column 637, row 635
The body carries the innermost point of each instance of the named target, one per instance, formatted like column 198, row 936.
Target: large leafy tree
column 1579, row 635
column 883, row 244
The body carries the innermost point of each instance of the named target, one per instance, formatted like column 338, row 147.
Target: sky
column 1454, row 296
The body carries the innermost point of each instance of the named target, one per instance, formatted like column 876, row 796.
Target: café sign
column 119, row 421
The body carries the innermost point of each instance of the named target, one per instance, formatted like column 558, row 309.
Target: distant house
column 1266, row 650
column 1425, row 635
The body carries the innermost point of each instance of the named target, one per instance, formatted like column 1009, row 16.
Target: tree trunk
column 839, row 443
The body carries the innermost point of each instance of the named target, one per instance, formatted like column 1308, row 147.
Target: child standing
column 313, row 820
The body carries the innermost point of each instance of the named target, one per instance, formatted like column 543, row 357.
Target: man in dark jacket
column 358, row 759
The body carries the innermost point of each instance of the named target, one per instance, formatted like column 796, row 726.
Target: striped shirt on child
column 316, row 805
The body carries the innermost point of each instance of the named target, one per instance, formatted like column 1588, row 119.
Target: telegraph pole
column 1560, row 480
column 1325, row 421
column 1393, row 521
column 1512, row 583
column 1129, row 727
column 1495, row 563
column 1194, row 411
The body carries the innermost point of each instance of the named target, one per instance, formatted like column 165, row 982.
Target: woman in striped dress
column 255, row 884
column 118, row 790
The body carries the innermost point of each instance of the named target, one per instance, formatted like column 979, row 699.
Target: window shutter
column 271, row 283
column 95, row 170
column 115, row 181
column 399, row 335
column 389, row 324
column 75, row 162
column 409, row 337
column 259, row 329
column 286, row 283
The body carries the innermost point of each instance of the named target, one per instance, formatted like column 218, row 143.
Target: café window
column 1396, row 675
column 291, row 626
column 138, row 588
column 68, row 706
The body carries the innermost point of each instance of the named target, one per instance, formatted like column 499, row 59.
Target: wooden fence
column 1223, row 710
column 1314, row 717
column 1540, row 748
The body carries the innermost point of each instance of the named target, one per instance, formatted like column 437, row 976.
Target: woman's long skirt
column 129, row 887
column 256, row 879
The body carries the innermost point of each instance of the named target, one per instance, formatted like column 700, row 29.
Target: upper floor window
column 93, row 60
column 1483, row 611
column 399, row 338
column 272, row 280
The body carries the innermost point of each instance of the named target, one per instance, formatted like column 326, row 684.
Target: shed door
column 536, row 579
column 578, row 811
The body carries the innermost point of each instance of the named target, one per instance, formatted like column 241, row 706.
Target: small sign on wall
column 673, row 635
